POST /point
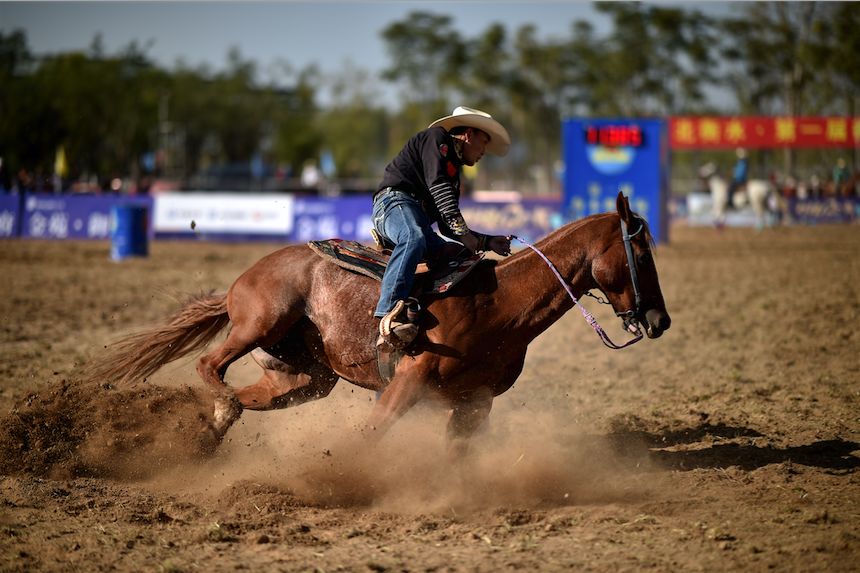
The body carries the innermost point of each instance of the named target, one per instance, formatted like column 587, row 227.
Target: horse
column 756, row 192
column 308, row 322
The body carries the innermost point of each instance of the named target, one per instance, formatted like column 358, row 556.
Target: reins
column 589, row 318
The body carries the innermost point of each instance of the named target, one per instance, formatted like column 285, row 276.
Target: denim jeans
column 399, row 218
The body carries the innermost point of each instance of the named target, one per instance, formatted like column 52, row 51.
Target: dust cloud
column 318, row 453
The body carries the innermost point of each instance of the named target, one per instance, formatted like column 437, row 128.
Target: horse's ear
column 623, row 206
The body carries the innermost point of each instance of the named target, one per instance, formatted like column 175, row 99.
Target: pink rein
column 587, row 315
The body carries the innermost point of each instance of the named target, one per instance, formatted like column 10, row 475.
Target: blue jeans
column 399, row 218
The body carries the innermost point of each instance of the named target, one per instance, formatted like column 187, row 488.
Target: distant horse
column 308, row 322
column 756, row 192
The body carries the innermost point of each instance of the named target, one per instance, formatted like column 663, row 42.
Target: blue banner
column 71, row 216
column 832, row 210
column 605, row 156
column 10, row 215
column 315, row 219
column 529, row 220
column 350, row 218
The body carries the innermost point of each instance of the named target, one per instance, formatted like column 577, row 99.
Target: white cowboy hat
column 500, row 141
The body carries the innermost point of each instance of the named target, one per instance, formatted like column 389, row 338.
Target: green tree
column 771, row 51
column 654, row 61
column 426, row 53
column 836, row 57
column 354, row 126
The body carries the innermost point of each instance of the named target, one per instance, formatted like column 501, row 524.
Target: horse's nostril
column 659, row 320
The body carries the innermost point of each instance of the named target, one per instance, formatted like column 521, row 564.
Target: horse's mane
column 575, row 225
column 647, row 230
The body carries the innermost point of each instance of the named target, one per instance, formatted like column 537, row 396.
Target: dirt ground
column 732, row 443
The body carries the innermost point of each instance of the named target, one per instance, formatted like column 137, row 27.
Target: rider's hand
column 500, row 245
column 470, row 241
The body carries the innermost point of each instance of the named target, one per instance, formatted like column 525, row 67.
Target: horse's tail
column 139, row 355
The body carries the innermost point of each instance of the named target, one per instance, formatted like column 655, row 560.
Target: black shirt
column 428, row 169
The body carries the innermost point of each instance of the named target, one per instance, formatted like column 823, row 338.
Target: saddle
column 438, row 277
column 434, row 277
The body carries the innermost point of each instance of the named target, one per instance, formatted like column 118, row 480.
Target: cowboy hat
column 500, row 141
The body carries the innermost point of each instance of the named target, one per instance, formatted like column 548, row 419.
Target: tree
column 426, row 55
column 771, row 52
column 654, row 61
column 354, row 126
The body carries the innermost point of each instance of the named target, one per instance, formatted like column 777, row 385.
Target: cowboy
column 739, row 174
column 421, row 186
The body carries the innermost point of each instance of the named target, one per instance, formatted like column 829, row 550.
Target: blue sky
column 327, row 33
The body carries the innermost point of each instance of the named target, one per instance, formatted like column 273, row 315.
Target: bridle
column 631, row 323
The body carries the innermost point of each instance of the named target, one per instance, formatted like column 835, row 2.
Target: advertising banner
column 71, row 216
column 529, row 220
column 320, row 218
column 10, row 215
column 223, row 214
column 697, row 211
column 754, row 132
column 350, row 218
column 824, row 211
column 605, row 156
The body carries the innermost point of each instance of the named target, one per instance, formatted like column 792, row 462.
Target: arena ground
column 732, row 443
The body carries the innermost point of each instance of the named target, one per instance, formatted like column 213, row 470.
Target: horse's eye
column 644, row 258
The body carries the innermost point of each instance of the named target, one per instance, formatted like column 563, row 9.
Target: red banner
column 697, row 132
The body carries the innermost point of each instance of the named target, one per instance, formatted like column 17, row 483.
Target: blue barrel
column 129, row 231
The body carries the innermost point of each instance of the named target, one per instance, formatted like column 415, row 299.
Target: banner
column 10, row 215
column 825, row 211
column 754, row 132
column 529, row 219
column 71, row 216
column 696, row 210
column 350, row 218
column 223, row 214
column 316, row 219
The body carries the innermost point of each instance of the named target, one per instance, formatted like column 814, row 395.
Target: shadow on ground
column 834, row 456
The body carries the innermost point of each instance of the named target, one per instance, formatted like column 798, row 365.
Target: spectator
column 841, row 176
column 311, row 176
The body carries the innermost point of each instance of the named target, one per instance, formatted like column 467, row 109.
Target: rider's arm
column 441, row 171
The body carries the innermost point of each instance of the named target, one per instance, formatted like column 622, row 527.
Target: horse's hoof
column 227, row 411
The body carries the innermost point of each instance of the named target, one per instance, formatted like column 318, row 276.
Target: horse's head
column 626, row 273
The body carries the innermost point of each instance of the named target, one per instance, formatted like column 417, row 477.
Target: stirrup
column 395, row 331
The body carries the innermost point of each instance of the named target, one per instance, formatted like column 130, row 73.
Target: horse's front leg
column 468, row 415
column 407, row 388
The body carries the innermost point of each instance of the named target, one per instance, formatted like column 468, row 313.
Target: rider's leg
column 399, row 218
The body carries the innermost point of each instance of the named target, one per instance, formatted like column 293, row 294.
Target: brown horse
column 308, row 322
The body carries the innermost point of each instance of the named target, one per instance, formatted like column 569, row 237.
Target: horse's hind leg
column 286, row 384
column 212, row 367
column 248, row 332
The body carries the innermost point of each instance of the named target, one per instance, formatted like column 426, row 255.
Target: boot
column 399, row 327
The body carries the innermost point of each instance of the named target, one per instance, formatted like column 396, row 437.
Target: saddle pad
column 371, row 262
